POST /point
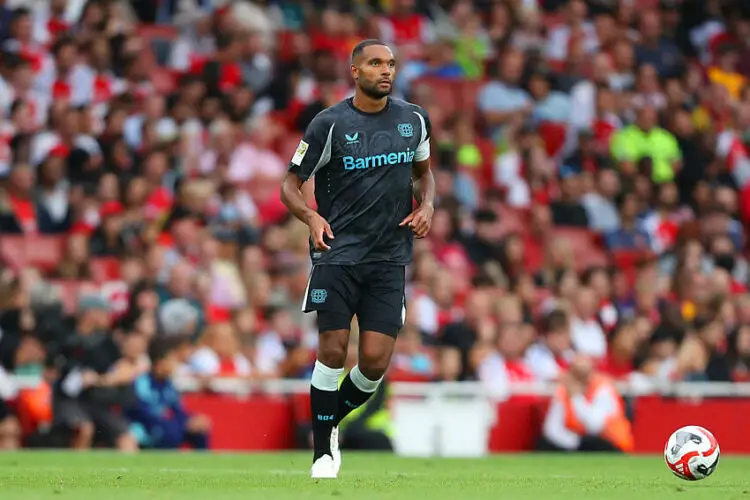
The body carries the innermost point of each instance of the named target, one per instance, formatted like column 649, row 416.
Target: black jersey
column 362, row 163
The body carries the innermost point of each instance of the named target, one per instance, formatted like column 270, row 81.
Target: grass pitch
column 185, row 476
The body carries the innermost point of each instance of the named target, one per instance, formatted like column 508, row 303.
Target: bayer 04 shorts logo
column 405, row 129
column 318, row 295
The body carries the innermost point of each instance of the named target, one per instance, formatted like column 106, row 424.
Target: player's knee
column 332, row 347
column 373, row 362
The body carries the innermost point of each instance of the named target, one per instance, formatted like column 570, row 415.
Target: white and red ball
column 692, row 453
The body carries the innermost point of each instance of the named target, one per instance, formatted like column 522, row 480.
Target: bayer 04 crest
column 405, row 129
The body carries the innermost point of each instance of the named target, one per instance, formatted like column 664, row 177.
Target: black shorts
column 69, row 414
column 374, row 292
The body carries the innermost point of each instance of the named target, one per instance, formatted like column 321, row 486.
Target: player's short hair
column 360, row 47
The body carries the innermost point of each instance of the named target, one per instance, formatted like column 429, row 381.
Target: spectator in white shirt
column 549, row 357
column 219, row 355
column 588, row 335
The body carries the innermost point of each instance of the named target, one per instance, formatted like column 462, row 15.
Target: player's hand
column 319, row 228
column 89, row 378
column 420, row 220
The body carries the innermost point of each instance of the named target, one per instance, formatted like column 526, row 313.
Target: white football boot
column 335, row 451
column 323, row 468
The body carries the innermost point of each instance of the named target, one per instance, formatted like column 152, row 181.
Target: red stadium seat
column 157, row 31
column 629, row 260
column 584, row 246
column 468, row 94
column 442, row 91
column 12, row 252
column 105, row 269
column 43, row 252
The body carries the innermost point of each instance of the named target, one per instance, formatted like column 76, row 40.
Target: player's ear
column 355, row 72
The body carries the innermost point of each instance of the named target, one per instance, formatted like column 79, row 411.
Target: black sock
column 323, row 405
column 350, row 398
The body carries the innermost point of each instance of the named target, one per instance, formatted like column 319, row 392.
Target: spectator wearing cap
column 645, row 139
column 93, row 384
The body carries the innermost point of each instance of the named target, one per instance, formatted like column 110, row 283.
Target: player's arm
column 313, row 153
column 420, row 219
column 424, row 182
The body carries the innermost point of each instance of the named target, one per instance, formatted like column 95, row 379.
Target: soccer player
column 366, row 154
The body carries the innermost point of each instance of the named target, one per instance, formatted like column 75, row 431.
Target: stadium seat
column 105, row 269
column 468, row 92
column 584, row 246
column 443, row 92
column 43, row 252
column 12, row 252
column 157, row 32
column 629, row 260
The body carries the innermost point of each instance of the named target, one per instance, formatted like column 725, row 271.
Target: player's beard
column 373, row 91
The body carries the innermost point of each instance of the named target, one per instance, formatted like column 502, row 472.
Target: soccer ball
column 692, row 453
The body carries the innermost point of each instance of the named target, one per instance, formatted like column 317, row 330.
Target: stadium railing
column 10, row 384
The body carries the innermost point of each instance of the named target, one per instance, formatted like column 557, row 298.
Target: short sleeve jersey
column 362, row 164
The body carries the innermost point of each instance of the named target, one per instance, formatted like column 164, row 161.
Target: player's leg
column 331, row 293
column 380, row 314
column 71, row 419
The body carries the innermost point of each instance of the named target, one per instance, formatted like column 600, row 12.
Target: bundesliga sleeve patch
column 300, row 153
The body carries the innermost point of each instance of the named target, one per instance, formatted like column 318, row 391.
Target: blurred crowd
column 593, row 190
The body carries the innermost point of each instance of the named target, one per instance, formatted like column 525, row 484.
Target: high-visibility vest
column 380, row 420
column 617, row 429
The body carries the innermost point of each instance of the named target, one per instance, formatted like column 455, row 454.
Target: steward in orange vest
column 586, row 413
